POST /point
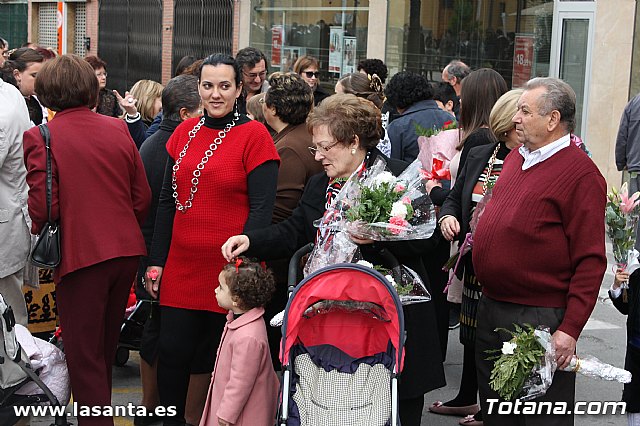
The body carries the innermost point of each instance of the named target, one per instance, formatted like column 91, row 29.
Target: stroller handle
column 292, row 277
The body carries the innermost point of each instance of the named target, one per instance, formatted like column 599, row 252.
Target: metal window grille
column 81, row 29
column 202, row 27
column 48, row 25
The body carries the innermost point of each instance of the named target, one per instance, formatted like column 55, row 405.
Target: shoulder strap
column 44, row 131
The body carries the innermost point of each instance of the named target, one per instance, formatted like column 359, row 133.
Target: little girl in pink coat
column 244, row 387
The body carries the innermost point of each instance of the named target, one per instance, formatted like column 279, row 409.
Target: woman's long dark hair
column 480, row 91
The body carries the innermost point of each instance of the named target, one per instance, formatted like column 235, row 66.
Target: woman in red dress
column 220, row 180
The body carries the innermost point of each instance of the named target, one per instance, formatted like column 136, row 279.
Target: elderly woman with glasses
column 107, row 102
column 346, row 130
column 307, row 68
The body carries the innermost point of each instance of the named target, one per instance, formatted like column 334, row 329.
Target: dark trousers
column 91, row 303
column 410, row 411
column 188, row 343
column 492, row 314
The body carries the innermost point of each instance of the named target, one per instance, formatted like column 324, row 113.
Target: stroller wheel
column 122, row 356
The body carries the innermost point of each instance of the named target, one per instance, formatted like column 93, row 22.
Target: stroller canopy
column 359, row 333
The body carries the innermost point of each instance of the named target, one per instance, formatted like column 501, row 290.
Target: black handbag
column 46, row 252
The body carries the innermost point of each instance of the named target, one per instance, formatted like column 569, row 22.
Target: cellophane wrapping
column 382, row 207
column 542, row 375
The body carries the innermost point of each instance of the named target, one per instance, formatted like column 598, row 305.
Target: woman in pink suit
column 244, row 386
column 100, row 199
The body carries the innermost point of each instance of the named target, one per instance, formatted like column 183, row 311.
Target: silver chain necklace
column 196, row 173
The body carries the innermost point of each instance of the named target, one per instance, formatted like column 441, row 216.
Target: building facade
column 589, row 44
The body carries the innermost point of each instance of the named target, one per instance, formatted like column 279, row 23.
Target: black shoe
column 454, row 319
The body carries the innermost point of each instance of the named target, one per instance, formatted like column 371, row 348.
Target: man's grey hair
column 559, row 96
column 180, row 92
column 458, row 69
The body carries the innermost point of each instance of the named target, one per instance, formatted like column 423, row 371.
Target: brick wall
column 167, row 40
column 93, row 8
column 236, row 27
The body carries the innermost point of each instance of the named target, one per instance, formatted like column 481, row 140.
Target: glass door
column 571, row 61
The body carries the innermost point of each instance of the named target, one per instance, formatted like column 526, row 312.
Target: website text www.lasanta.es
column 559, row 408
column 75, row 410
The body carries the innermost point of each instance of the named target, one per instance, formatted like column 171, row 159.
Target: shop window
column 333, row 31
column 511, row 36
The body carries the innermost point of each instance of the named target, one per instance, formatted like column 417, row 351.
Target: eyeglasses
column 321, row 149
column 253, row 75
column 311, row 74
column 101, row 74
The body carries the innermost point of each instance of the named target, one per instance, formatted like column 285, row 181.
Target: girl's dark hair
column 251, row 283
column 221, row 59
column 19, row 60
column 480, row 91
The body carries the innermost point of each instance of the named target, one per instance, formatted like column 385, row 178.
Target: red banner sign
column 276, row 44
column 522, row 60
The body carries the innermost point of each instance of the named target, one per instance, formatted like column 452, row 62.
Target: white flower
column 364, row 263
column 508, row 348
column 391, row 280
column 384, row 177
column 399, row 209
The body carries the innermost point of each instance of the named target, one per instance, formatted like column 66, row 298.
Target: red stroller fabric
column 357, row 335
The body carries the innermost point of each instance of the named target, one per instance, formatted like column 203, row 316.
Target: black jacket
column 631, row 307
column 458, row 202
column 423, row 370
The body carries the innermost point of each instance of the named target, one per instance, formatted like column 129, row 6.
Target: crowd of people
column 227, row 160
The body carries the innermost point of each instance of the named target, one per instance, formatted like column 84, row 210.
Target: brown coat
column 297, row 165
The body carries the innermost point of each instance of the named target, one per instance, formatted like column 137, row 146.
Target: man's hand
column 565, row 348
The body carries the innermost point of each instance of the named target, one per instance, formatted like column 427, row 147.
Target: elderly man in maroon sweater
column 539, row 248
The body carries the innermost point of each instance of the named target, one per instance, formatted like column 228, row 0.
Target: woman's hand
column 430, row 184
column 152, row 280
column 449, row 227
column 621, row 277
column 128, row 103
column 235, row 246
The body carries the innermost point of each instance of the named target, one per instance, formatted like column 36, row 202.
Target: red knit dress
column 220, row 209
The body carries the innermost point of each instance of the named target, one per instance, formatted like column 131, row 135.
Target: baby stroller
column 16, row 371
column 131, row 330
column 342, row 348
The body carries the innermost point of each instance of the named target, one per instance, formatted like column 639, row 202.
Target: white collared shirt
column 531, row 158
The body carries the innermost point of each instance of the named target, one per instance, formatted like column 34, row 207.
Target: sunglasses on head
column 310, row 74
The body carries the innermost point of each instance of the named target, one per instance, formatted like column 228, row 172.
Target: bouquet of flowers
column 525, row 365
column 437, row 148
column 621, row 217
column 381, row 207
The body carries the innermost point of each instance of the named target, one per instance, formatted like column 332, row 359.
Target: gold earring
column 235, row 304
column 353, row 151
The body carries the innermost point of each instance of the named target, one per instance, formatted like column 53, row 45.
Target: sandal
column 470, row 421
column 438, row 407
